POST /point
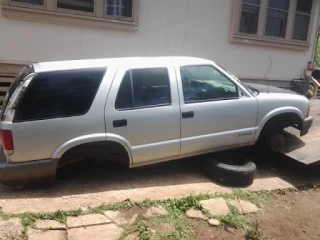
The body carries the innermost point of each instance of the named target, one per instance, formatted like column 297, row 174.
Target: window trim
column 50, row 13
column 263, row 40
column 209, row 100
column 131, row 80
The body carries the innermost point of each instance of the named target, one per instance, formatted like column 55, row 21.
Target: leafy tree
column 317, row 54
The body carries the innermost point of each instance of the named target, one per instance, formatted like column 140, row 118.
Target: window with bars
column 119, row 8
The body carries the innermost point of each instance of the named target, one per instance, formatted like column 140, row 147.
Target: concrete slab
column 191, row 213
column 10, row 229
column 100, row 232
column 244, row 207
column 87, row 220
column 216, row 207
column 41, row 235
column 50, row 224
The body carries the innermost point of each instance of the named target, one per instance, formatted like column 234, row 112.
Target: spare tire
column 237, row 171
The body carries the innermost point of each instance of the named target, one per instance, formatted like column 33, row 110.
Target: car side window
column 59, row 94
column 142, row 88
column 206, row 83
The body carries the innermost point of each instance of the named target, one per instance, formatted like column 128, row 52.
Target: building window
column 34, row 2
column 250, row 16
column 119, row 8
column 277, row 17
column 302, row 19
column 278, row 23
column 77, row 5
column 122, row 14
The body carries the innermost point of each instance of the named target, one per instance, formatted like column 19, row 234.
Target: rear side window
column 141, row 88
column 59, row 94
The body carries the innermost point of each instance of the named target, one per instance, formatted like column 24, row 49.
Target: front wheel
column 276, row 142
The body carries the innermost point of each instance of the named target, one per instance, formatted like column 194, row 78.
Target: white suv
column 135, row 111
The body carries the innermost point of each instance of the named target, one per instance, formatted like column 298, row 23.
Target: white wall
column 167, row 27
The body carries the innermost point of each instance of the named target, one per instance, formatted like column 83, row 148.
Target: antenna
column 265, row 76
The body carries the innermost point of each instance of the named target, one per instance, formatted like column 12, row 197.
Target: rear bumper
column 23, row 173
column 306, row 124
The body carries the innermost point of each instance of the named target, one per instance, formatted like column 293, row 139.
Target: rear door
column 143, row 108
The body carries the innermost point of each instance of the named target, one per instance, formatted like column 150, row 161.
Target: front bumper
column 26, row 172
column 306, row 124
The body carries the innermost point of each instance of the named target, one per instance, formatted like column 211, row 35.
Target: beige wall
column 167, row 27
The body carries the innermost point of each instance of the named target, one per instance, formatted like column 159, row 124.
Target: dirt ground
column 295, row 215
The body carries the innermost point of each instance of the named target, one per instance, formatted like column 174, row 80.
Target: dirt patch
column 203, row 231
column 294, row 215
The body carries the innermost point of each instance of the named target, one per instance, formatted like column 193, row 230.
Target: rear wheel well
column 280, row 122
column 102, row 151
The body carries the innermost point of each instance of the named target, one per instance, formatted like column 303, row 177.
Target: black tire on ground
column 240, row 173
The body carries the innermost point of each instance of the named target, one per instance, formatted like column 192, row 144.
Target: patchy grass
column 116, row 206
column 254, row 232
column 176, row 208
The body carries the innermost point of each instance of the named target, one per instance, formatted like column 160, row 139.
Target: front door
column 216, row 112
column 143, row 108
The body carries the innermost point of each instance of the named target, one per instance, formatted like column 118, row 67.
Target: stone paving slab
column 50, row 224
column 87, row 220
column 192, row 213
column 155, row 212
column 48, row 235
column 244, row 207
column 100, row 232
column 121, row 218
column 213, row 222
column 216, row 206
column 10, row 229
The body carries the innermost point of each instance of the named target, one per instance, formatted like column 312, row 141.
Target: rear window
column 59, row 94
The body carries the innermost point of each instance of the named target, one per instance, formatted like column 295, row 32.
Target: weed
column 116, row 206
column 144, row 232
column 254, row 232
column 281, row 192
column 147, row 203
column 235, row 221
column 257, row 198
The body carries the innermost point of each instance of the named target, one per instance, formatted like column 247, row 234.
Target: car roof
column 98, row 63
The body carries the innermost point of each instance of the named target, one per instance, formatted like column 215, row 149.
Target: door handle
column 120, row 123
column 188, row 114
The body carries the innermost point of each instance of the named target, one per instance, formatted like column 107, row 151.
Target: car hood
column 269, row 89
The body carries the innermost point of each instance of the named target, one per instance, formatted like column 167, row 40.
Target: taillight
column 7, row 141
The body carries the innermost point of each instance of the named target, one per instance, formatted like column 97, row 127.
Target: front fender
column 98, row 137
column 274, row 113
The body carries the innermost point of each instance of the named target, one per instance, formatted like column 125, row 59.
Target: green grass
column 254, row 232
